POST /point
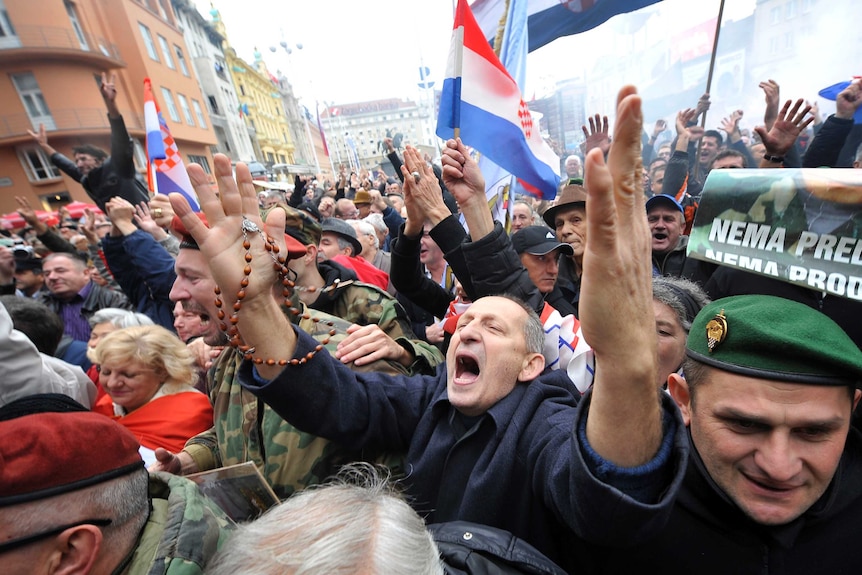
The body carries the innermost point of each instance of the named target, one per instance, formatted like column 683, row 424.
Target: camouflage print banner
column 802, row 226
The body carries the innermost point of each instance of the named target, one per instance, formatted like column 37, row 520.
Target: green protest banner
column 803, row 226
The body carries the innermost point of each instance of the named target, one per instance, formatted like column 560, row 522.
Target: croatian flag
column 481, row 98
column 166, row 172
column 499, row 184
column 552, row 19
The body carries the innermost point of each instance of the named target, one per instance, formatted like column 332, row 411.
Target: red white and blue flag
column 481, row 98
column 166, row 172
column 552, row 19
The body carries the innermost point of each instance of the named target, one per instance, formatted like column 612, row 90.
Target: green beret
column 774, row 338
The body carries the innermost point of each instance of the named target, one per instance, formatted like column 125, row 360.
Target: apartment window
column 790, row 9
column 200, row 114
column 775, row 15
column 139, row 155
column 8, row 36
column 76, row 25
column 788, row 41
column 187, row 112
column 33, row 100
column 213, row 105
column 806, row 6
column 172, row 107
column 202, row 161
column 148, row 42
column 773, row 46
column 166, row 52
column 219, row 66
column 182, row 61
column 37, row 165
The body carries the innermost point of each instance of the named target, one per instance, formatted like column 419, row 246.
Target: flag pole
column 709, row 80
column 459, row 65
column 714, row 51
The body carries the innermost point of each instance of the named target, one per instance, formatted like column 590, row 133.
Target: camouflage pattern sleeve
column 203, row 449
column 246, row 429
column 364, row 304
column 188, row 528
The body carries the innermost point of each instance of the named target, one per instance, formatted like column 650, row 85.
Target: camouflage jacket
column 246, row 429
column 183, row 532
column 365, row 304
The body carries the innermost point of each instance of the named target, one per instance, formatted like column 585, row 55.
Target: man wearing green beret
column 774, row 479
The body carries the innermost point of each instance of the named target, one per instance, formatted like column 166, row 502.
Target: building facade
column 355, row 132
column 53, row 54
column 205, row 50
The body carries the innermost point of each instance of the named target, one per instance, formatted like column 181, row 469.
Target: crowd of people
column 425, row 389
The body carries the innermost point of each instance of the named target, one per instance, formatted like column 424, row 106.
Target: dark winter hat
column 538, row 241
column 344, row 230
column 774, row 338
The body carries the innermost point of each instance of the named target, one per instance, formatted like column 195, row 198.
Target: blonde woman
column 149, row 377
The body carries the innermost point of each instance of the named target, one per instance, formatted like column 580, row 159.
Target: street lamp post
column 309, row 146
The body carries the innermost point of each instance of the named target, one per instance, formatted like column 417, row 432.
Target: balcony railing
column 68, row 120
column 61, row 39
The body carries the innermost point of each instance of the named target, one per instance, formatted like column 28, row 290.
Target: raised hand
column 108, row 87
column 234, row 246
column 772, row 93
column 786, row 128
column 703, row 104
column 597, row 135
column 422, row 196
column 89, row 227
column 26, row 211
column 730, row 124
column 683, row 118
column 848, row 100
column 624, row 424
column 144, row 219
column 161, row 210
column 41, row 137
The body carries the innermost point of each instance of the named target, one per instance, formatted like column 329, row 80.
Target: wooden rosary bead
column 279, row 265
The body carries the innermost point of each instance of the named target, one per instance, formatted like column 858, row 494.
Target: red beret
column 47, row 454
column 295, row 249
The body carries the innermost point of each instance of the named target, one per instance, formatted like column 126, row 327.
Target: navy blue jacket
column 518, row 467
column 145, row 271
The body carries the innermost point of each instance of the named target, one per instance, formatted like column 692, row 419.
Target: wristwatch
column 773, row 159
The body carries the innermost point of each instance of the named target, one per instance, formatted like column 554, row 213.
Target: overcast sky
column 357, row 50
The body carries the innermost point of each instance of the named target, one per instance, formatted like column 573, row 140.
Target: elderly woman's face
column 671, row 341
column 131, row 384
column 99, row 331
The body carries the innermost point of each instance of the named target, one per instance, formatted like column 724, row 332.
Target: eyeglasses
column 22, row 541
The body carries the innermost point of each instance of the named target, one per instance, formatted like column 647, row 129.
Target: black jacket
column 709, row 534
column 97, row 299
column 115, row 177
column 671, row 263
